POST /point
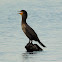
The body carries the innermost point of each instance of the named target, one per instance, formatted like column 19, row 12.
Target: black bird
column 29, row 32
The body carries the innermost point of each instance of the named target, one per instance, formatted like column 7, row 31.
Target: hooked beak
column 21, row 13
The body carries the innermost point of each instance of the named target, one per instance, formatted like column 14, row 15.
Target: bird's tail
column 41, row 43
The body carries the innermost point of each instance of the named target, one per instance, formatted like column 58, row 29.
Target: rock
column 30, row 47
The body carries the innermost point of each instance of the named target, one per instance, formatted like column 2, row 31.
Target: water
column 44, row 16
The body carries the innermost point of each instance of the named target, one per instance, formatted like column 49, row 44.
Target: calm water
column 44, row 16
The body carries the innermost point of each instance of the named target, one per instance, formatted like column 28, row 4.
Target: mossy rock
column 30, row 47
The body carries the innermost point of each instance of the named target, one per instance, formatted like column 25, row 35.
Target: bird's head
column 23, row 13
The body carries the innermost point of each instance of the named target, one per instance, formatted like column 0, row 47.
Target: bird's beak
column 21, row 13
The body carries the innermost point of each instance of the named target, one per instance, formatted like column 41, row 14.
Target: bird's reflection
column 27, row 56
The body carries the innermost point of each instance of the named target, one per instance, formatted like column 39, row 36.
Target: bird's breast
column 24, row 28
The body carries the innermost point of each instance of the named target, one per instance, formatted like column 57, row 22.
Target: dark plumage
column 29, row 32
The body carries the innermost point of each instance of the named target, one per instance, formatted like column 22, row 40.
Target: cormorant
column 29, row 32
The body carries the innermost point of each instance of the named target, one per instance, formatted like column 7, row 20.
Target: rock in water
column 30, row 47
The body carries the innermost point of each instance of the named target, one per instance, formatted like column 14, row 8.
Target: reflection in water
column 27, row 56
column 30, row 56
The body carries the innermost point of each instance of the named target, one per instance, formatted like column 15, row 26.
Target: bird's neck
column 23, row 20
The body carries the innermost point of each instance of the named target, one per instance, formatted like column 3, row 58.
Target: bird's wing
column 31, row 33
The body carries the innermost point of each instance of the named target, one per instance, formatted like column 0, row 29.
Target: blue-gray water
column 44, row 16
